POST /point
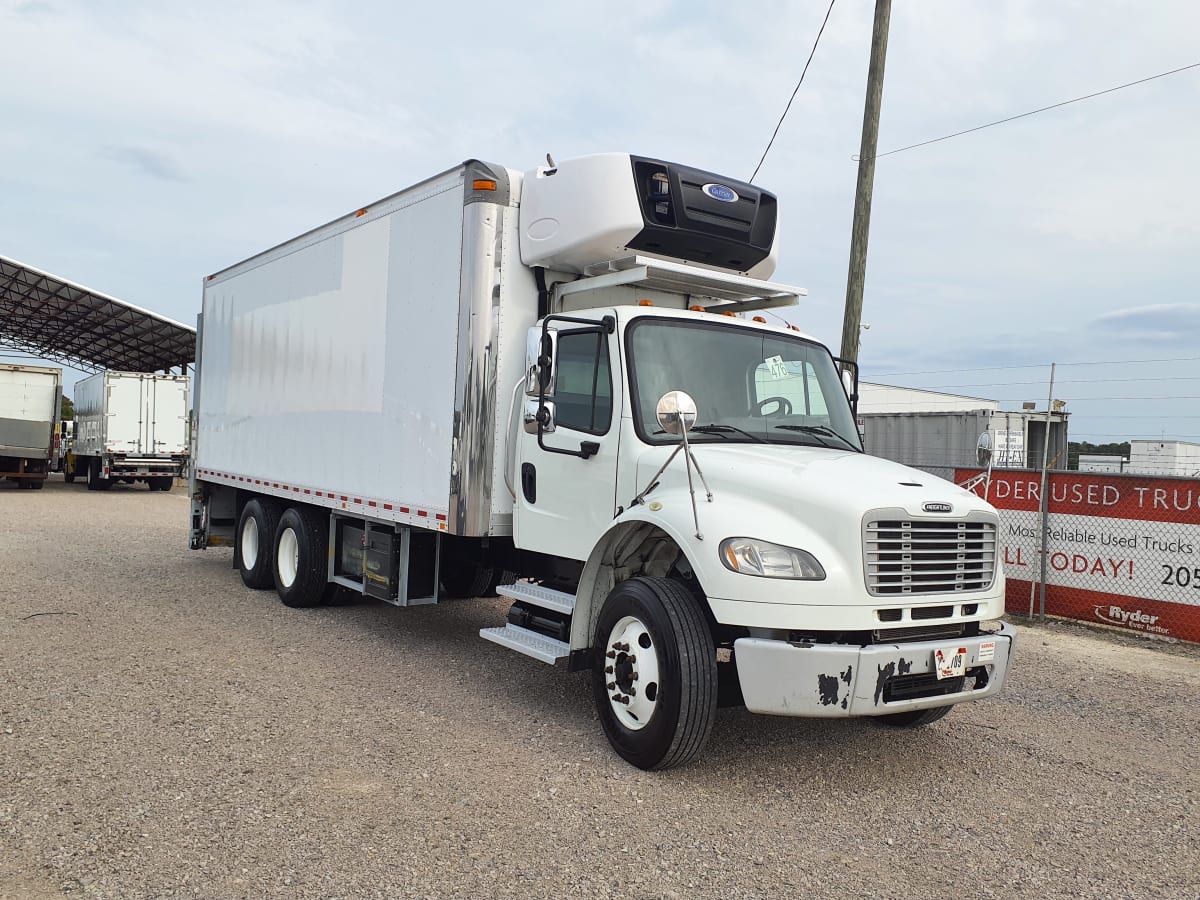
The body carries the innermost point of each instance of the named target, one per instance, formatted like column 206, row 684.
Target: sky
column 147, row 144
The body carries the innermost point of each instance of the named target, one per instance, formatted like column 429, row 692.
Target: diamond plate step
column 540, row 647
column 535, row 594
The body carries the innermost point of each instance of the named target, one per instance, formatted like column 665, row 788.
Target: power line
column 796, row 91
column 1094, row 362
column 975, row 384
column 1034, row 112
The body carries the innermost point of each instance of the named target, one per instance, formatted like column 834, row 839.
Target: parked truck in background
column 64, row 434
column 130, row 426
column 554, row 380
column 30, row 397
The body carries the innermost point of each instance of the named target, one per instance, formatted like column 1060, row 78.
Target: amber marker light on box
column 483, row 184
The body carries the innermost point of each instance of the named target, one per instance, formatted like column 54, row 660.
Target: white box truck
column 30, row 400
column 546, row 384
column 130, row 426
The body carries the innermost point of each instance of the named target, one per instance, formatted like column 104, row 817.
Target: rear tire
column 465, row 581
column 654, row 646
column 160, row 483
column 37, row 485
column 300, row 559
column 255, row 541
column 914, row 718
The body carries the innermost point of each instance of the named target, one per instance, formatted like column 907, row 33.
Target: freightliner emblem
column 937, row 507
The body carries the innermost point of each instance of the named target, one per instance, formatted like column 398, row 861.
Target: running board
column 540, row 647
column 536, row 595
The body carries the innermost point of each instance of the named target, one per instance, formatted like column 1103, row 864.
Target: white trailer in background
column 30, row 399
column 484, row 380
column 130, row 426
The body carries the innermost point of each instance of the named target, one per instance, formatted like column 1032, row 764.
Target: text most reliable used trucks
column 546, row 380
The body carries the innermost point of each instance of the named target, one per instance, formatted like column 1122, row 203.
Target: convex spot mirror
column 983, row 448
column 540, row 353
column 538, row 414
column 676, row 412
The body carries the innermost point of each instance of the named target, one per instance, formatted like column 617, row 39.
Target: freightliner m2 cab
column 552, row 385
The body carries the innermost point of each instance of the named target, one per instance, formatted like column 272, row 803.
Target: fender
column 599, row 575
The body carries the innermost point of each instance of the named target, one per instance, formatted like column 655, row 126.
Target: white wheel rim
column 250, row 542
column 287, row 557
column 631, row 673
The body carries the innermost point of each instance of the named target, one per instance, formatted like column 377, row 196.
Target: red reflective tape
column 372, row 503
column 404, row 509
column 344, row 497
column 387, row 506
column 256, row 481
column 307, row 491
column 359, row 502
column 441, row 518
column 421, row 512
column 296, row 489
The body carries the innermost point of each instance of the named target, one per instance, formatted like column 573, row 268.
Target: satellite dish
column 983, row 448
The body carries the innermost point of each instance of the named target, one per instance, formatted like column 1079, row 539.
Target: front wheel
column 914, row 718
column 654, row 676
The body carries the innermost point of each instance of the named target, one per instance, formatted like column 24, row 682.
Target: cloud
column 145, row 161
column 1158, row 321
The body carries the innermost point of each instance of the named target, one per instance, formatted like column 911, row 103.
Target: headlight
column 766, row 560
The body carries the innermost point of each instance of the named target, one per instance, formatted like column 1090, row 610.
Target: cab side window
column 583, row 391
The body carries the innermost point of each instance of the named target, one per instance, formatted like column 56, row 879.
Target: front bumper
column 837, row 680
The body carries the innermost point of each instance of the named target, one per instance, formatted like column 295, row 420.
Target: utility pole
column 852, row 320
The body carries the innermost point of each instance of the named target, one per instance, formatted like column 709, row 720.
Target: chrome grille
column 928, row 556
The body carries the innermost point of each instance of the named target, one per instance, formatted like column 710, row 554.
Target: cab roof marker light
column 696, row 307
column 645, row 303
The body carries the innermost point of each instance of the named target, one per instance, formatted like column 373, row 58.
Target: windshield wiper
column 722, row 430
column 817, row 430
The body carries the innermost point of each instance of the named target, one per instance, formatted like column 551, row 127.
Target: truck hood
column 814, row 484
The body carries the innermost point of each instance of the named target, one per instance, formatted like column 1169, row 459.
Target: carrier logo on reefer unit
column 720, row 192
column 934, row 506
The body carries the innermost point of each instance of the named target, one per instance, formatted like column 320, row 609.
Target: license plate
column 950, row 662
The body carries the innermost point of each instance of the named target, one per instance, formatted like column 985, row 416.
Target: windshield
column 749, row 385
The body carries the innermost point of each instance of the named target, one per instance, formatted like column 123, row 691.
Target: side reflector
column 483, row 184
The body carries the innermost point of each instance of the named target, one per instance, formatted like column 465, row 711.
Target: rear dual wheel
column 255, row 542
column 301, row 558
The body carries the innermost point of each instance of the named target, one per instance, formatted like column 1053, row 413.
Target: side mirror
column 536, row 415
column 983, row 449
column 676, row 412
column 540, row 353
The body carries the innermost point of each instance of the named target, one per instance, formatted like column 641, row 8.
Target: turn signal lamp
column 483, row 184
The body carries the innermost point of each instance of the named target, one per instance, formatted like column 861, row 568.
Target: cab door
column 566, row 480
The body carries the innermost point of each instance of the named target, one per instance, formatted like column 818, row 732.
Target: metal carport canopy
column 49, row 317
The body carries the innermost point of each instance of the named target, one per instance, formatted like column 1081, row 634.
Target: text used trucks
column 129, row 426
column 30, row 398
column 554, row 380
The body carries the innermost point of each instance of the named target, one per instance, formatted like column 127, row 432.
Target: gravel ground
column 165, row 732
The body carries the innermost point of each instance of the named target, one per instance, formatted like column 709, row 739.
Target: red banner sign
column 1121, row 550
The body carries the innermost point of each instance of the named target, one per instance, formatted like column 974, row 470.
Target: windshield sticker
column 777, row 368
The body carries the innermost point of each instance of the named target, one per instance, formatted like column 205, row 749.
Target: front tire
column 914, row 718
column 654, row 676
column 255, row 537
column 301, row 558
